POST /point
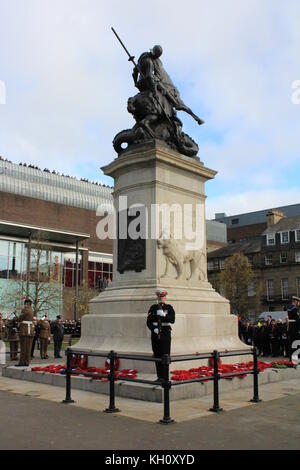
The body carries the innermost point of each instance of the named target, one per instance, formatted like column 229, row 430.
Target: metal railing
column 165, row 383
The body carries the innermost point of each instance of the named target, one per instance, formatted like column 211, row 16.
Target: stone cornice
column 156, row 152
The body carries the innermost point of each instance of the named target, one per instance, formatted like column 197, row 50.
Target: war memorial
column 159, row 245
column 159, row 222
column 159, row 248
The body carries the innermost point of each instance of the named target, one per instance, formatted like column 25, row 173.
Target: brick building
column 251, row 224
column 57, row 212
column 274, row 255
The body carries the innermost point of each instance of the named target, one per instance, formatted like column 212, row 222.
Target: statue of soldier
column 160, row 317
column 155, row 107
column 149, row 74
column 26, row 332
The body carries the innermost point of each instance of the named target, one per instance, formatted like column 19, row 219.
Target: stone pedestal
column 154, row 174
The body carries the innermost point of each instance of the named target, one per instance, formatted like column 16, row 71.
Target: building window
column 4, row 247
column 284, row 289
column 284, row 237
column 270, row 289
column 234, row 221
column 250, row 259
column 251, row 289
column 213, row 265
column 268, row 260
column 283, row 257
column 297, row 256
column 297, row 235
column 15, row 260
column 210, row 265
column 100, row 274
column 222, row 264
column 298, row 286
column 70, row 271
column 270, row 238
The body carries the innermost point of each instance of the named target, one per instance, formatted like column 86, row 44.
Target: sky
column 235, row 62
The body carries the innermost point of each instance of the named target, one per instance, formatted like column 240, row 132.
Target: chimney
column 274, row 216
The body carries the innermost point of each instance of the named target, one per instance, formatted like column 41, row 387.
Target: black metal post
column 166, row 384
column 28, row 264
column 216, row 408
column 112, row 408
column 76, row 283
column 255, row 398
column 68, row 398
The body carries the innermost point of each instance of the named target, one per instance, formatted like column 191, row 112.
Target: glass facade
column 45, row 278
column 99, row 273
column 69, row 270
column 12, row 259
column 50, row 273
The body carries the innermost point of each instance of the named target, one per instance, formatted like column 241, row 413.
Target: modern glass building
column 46, row 219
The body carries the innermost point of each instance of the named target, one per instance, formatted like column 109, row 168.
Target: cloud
column 68, row 80
column 250, row 201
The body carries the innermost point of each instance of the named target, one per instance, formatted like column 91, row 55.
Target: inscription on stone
column 131, row 252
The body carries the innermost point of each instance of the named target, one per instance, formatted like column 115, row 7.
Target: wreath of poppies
column 177, row 375
column 208, row 371
column 79, row 366
column 116, row 361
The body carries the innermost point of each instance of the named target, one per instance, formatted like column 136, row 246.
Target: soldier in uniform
column 58, row 336
column 44, row 327
column 13, row 337
column 26, row 331
column 36, row 335
column 293, row 324
column 160, row 317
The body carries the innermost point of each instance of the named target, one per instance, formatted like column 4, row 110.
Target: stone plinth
column 153, row 174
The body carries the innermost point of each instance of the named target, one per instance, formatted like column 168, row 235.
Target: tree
column 45, row 287
column 235, row 280
column 85, row 294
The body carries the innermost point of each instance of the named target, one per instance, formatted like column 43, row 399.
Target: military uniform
column 35, row 338
column 45, row 333
column 13, row 338
column 160, row 317
column 26, row 332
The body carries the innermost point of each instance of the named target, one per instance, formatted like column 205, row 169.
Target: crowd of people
column 273, row 337
column 43, row 330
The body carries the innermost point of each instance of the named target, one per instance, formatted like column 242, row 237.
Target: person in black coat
column 274, row 339
column 248, row 333
column 265, row 340
column 160, row 317
column 58, row 336
column 285, row 346
column 256, row 337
